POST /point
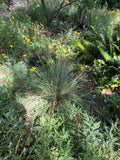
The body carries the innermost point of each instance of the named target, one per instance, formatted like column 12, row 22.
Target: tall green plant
column 58, row 84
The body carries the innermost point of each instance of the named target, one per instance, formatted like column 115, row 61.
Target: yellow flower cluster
column 117, row 15
column 42, row 26
column 4, row 56
column 110, row 12
column 33, row 69
column 78, row 33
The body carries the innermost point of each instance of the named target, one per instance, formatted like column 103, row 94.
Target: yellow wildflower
column 82, row 68
column 26, row 30
column 65, row 51
column 96, row 17
column 15, row 12
column 41, row 40
column 3, row 21
column 43, row 35
column 11, row 21
column 11, row 45
column 37, row 25
column 76, row 40
column 35, row 36
column 5, row 57
column 11, row 35
column 68, row 17
column 3, row 54
column 24, row 55
column 65, row 21
column 41, row 24
column 95, row 2
column 78, row 33
column 26, row 15
column 58, row 33
column 116, row 18
column 33, row 69
column 61, row 22
column 28, row 40
column 35, row 30
column 13, row 17
column 20, row 22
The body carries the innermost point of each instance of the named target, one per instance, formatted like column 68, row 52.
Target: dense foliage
column 60, row 80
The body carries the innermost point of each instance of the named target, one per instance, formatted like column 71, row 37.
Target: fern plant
column 89, row 51
column 109, row 59
column 108, row 40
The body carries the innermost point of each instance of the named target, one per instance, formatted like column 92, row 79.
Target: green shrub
column 72, row 134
